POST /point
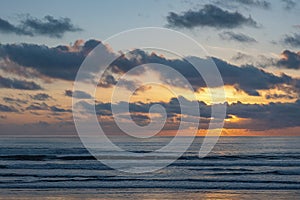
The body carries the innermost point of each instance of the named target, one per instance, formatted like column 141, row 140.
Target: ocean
column 237, row 168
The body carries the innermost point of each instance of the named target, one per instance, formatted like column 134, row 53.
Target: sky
column 254, row 44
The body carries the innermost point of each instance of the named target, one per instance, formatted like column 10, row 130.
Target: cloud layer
column 246, row 78
column 254, row 117
column 62, row 62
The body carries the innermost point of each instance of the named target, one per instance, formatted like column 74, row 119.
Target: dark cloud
column 60, row 62
column 78, row 94
column 69, row 93
column 6, row 27
column 239, row 37
column 139, row 119
column 38, row 106
column 14, row 101
column 250, row 79
column 211, row 16
column 257, row 117
column 63, row 62
column 103, row 109
column 10, row 67
column 57, row 109
column 5, row 108
column 108, row 80
column 244, row 3
column 18, row 84
column 289, row 4
column 41, row 97
column 48, row 26
column 255, row 3
column 265, row 117
column 258, row 61
column 289, row 60
column 292, row 40
column 43, row 106
column 247, row 78
column 141, row 110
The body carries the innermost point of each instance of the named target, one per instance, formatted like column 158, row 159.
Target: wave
column 45, row 157
column 155, row 184
column 112, row 178
column 42, row 157
column 243, row 157
column 237, row 164
column 275, row 172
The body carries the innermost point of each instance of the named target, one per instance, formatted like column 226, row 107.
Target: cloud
column 292, row 40
column 69, row 93
column 14, row 101
column 36, row 106
column 41, row 97
column 78, row 94
column 6, row 27
column 250, row 79
column 258, row 61
column 289, row 60
column 210, row 16
column 255, row 117
column 48, row 26
column 101, row 108
column 246, row 78
column 18, row 84
column 255, row 3
column 57, row 109
column 60, row 62
column 245, row 3
column 265, row 117
column 139, row 119
column 5, row 108
column 108, row 80
column 289, row 4
column 140, row 110
column 239, row 37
